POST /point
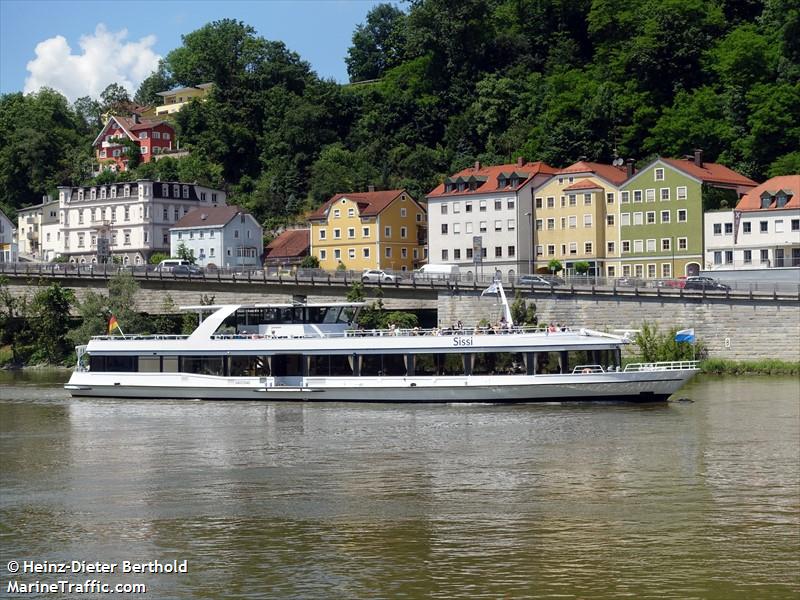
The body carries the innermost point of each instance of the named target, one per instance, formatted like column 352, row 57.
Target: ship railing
column 589, row 369
column 140, row 337
column 676, row 365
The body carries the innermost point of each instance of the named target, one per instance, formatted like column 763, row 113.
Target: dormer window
column 766, row 200
column 514, row 182
column 781, row 199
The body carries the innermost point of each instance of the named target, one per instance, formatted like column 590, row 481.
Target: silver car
column 376, row 276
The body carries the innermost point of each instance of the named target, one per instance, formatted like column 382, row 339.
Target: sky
column 79, row 47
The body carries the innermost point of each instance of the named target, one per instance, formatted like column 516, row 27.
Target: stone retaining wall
column 731, row 329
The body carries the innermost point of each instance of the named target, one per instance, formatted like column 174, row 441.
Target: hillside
column 444, row 83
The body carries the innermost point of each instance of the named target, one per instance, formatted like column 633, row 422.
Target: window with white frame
column 337, row 254
column 587, row 247
column 456, row 207
column 323, row 254
column 587, row 199
column 337, row 234
column 610, row 220
column 551, row 249
column 651, row 245
column 351, row 232
column 388, row 252
column 365, row 252
column 551, row 202
column 682, row 215
column 626, row 246
column 650, row 195
column 665, row 216
column 611, row 247
column 625, row 219
column 638, row 245
column 659, row 174
column 539, row 224
column 638, row 218
column 573, row 221
column 482, row 227
column 651, row 217
column 468, row 227
column 573, row 247
column 498, row 225
column 664, row 194
column 609, row 197
column 683, row 243
column 404, row 232
column 456, row 229
column 351, row 253
column 637, row 195
column 587, row 220
column 387, row 231
column 779, row 226
column 444, row 254
column 511, row 224
column 351, row 212
column 365, row 232
column 651, row 271
column 680, row 192
column 624, row 197
column 666, row 244
column 322, row 234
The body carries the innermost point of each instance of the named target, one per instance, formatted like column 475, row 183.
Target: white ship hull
column 648, row 386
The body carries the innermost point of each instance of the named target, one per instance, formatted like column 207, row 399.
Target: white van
column 168, row 264
column 448, row 272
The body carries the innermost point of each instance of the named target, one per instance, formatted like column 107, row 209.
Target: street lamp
column 530, row 234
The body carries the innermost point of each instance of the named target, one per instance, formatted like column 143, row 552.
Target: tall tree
column 378, row 44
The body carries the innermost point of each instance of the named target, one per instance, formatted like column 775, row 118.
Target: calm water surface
column 270, row 500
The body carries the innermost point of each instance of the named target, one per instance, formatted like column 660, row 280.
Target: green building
column 661, row 214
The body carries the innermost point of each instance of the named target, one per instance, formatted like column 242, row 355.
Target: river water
column 267, row 500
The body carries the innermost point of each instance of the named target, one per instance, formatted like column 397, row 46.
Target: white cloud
column 106, row 58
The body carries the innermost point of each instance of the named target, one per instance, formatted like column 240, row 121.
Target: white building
column 31, row 222
column 130, row 221
column 224, row 236
column 763, row 232
column 8, row 242
column 480, row 218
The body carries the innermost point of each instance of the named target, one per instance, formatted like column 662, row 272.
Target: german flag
column 112, row 325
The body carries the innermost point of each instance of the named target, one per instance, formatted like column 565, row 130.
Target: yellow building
column 576, row 218
column 175, row 100
column 369, row 230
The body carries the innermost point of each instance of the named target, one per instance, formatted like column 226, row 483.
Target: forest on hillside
column 438, row 84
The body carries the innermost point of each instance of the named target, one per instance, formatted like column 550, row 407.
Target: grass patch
column 767, row 366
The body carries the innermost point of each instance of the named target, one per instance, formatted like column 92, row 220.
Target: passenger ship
column 312, row 352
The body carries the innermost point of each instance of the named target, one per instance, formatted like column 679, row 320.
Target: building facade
column 175, row 100
column 576, row 219
column 33, row 222
column 661, row 215
column 481, row 218
column 763, row 232
column 8, row 240
column 369, row 230
column 153, row 137
column 219, row 236
column 129, row 221
column 288, row 249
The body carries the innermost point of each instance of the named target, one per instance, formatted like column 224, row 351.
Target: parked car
column 539, row 280
column 376, row 276
column 700, row 282
column 637, row 282
column 186, row 270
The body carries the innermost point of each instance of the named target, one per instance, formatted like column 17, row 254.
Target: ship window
column 169, row 364
column 118, row 364
column 383, row 364
column 149, row 364
column 324, row 365
column 249, row 366
column 438, row 364
column 498, row 363
column 287, row 365
column 201, row 365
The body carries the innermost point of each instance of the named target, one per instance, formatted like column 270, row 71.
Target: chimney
column 135, row 118
column 698, row 157
column 477, row 165
column 370, row 188
column 520, row 161
column 630, row 167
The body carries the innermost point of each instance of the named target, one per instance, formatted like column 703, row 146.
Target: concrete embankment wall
column 730, row 328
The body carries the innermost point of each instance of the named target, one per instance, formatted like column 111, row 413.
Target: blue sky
column 40, row 40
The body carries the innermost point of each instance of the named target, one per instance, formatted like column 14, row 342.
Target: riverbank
column 720, row 366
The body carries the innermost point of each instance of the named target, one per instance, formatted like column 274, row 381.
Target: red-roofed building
column 662, row 214
column 480, row 218
column 369, row 230
column 762, row 232
column 576, row 219
column 289, row 248
column 153, row 137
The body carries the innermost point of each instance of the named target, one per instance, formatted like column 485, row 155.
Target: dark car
column 700, row 282
column 186, row 270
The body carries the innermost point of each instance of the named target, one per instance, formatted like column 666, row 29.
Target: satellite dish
column 618, row 162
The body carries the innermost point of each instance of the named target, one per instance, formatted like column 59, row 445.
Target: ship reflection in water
column 298, row 500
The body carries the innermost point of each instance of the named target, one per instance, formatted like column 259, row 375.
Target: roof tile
column 491, row 173
column 787, row 183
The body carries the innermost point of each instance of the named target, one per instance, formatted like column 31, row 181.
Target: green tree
column 157, row 257
column 50, row 309
column 309, row 262
column 159, row 80
column 788, row 164
column 377, row 44
column 656, row 346
column 186, row 254
column 554, row 266
column 521, row 312
column 582, row 267
column 114, row 99
column 94, row 314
